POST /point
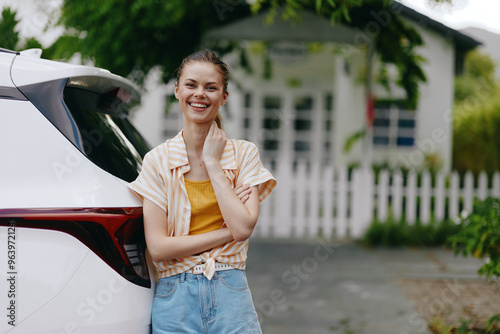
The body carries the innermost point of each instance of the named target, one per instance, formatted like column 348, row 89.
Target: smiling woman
column 204, row 58
column 201, row 194
column 200, row 91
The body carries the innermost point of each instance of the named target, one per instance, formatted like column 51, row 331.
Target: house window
column 271, row 122
column 394, row 125
column 301, row 146
column 328, row 128
column 248, row 100
column 306, row 139
column 247, row 115
column 302, row 126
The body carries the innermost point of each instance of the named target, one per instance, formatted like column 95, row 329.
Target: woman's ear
column 224, row 98
column 176, row 91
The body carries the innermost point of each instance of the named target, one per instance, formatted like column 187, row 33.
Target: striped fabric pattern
column 162, row 181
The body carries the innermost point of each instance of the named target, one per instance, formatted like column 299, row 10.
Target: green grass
column 466, row 327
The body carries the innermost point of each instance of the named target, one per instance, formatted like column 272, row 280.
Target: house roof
column 321, row 30
column 309, row 29
column 461, row 40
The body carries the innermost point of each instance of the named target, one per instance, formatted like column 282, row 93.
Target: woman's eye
column 189, row 85
column 212, row 88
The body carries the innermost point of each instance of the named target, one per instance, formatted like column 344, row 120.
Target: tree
column 9, row 36
column 395, row 43
column 337, row 10
column 131, row 37
column 476, row 119
column 479, row 75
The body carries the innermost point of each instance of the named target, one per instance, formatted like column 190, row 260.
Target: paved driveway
column 318, row 287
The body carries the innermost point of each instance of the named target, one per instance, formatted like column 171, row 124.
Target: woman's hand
column 214, row 144
column 243, row 192
column 162, row 247
column 240, row 211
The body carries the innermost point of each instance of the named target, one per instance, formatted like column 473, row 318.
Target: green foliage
column 464, row 327
column 353, row 139
column 9, row 36
column 476, row 119
column 478, row 81
column 32, row 43
column 467, row 88
column 335, row 10
column 480, row 65
column 393, row 233
column 131, row 38
column 476, row 145
column 63, row 49
column 395, row 41
column 492, row 326
column 438, row 326
column 479, row 236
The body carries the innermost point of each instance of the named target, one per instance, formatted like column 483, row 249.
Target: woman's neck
column 194, row 137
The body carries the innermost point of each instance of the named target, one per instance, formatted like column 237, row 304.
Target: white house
column 313, row 99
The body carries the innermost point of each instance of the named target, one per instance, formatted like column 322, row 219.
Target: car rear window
column 107, row 136
column 96, row 124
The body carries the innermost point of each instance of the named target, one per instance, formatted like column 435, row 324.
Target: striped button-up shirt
column 162, row 181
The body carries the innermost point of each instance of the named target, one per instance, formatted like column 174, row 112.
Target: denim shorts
column 188, row 303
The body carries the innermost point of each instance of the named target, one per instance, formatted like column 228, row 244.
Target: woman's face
column 200, row 92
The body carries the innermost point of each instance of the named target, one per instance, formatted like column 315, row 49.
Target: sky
column 462, row 14
column 34, row 16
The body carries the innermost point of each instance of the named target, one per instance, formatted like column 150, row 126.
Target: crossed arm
column 239, row 208
column 163, row 247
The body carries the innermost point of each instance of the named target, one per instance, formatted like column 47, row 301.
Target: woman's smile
column 199, row 106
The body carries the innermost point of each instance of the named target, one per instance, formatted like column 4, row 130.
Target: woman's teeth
column 199, row 105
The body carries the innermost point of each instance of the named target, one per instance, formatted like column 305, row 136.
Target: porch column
column 318, row 126
column 287, row 131
column 340, row 116
column 256, row 134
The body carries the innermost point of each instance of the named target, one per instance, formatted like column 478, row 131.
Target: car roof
column 8, row 51
column 28, row 70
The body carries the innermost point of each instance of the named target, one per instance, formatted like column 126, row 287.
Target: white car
column 72, row 249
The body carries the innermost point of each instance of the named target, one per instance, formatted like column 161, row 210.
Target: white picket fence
column 328, row 203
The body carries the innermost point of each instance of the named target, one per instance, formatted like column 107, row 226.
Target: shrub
column 393, row 233
column 476, row 117
column 438, row 326
column 479, row 235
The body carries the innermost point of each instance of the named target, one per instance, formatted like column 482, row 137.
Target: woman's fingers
column 239, row 189
column 214, row 143
column 243, row 192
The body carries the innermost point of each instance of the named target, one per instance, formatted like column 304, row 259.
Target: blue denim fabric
column 188, row 303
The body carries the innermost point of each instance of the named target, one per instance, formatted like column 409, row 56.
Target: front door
column 292, row 125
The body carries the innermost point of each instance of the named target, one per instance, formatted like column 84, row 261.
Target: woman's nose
column 199, row 92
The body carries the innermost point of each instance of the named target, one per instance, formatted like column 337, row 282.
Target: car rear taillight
column 116, row 235
column 131, row 239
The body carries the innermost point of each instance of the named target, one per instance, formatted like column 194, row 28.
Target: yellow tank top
column 205, row 212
